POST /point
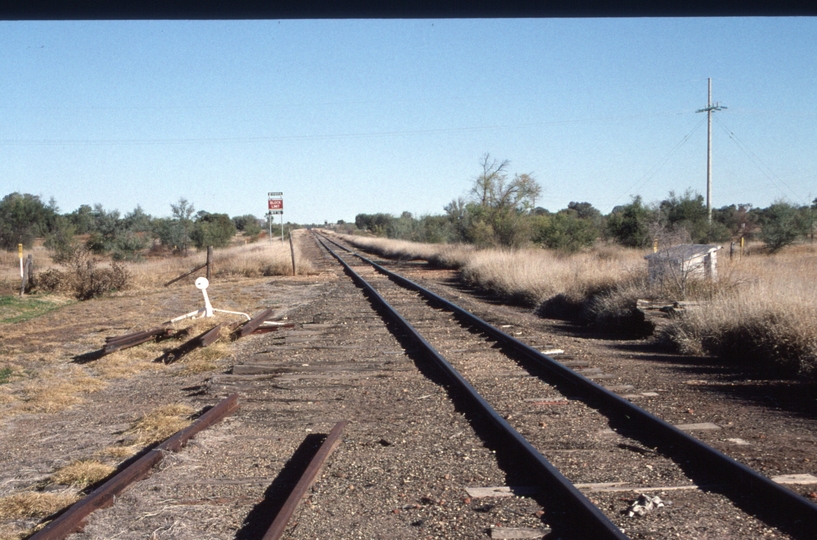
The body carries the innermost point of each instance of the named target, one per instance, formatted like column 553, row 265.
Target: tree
column 61, row 240
column 500, row 206
column 565, row 231
column 739, row 220
column 137, row 221
column 249, row 225
column 182, row 210
column 82, row 219
column 629, row 224
column 378, row 224
column 493, row 190
column 212, row 230
column 781, row 225
column 687, row 212
column 493, row 173
column 175, row 232
column 105, row 227
column 460, row 219
column 23, row 217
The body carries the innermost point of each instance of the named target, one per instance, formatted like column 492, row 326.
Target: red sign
column 276, row 204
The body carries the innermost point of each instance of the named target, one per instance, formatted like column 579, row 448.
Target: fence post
column 209, row 261
column 292, row 252
column 28, row 267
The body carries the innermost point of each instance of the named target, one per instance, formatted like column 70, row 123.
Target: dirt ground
column 408, row 453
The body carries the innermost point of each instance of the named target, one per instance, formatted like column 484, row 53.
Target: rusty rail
column 250, row 326
column 208, row 337
column 279, row 525
column 104, row 495
column 116, row 343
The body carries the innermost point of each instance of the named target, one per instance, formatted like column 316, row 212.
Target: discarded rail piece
column 208, row 337
column 278, row 526
column 236, row 330
column 113, row 344
column 250, row 326
column 104, row 495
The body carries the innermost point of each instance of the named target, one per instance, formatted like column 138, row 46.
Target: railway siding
column 412, row 463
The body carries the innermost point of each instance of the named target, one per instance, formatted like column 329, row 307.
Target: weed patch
column 159, row 424
column 34, row 504
column 15, row 309
column 83, row 279
column 82, row 474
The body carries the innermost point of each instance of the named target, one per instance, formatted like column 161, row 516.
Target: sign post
column 275, row 204
column 22, row 273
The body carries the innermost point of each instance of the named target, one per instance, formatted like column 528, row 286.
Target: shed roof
column 684, row 252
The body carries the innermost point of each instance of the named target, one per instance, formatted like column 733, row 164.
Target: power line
column 330, row 136
column 655, row 168
column 762, row 167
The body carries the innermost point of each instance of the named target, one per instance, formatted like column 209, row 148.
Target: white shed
column 696, row 261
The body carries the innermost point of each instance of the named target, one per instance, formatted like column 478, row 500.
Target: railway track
column 691, row 464
column 417, row 459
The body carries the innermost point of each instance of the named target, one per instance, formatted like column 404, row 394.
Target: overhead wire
column 657, row 167
column 330, row 136
column 762, row 167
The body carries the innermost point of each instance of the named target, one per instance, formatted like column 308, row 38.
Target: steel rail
column 587, row 517
column 103, row 496
column 768, row 494
column 279, row 525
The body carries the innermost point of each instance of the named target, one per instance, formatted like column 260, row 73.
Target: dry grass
column 82, row 474
column 445, row 255
column 34, row 504
column 119, row 452
column 758, row 312
column 528, row 276
column 262, row 258
column 204, row 359
column 54, row 391
column 761, row 314
column 159, row 424
column 128, row 362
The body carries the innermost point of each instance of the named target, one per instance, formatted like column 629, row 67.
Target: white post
column 709, row 153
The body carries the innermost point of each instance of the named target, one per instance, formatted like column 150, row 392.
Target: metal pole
column 282, row 227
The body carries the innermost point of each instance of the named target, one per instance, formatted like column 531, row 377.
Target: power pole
column 709, row 109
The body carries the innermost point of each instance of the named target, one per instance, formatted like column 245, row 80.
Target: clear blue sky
column 348, row 117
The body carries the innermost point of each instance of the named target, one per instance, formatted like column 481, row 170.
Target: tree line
column 24, row 217
column 501, row 210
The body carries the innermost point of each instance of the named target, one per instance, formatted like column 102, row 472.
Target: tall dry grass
column 262, row 258
column 762, row 314
column 256, row 259
column 527, row 276
column 761, row 311
column 444, row 255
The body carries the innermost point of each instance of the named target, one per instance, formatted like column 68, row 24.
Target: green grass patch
column 5, row 374
column 14, row 309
